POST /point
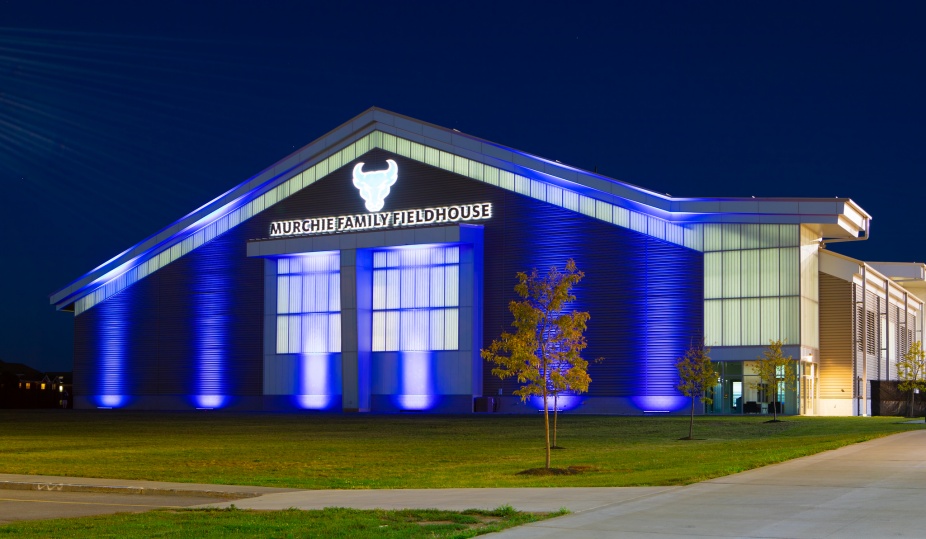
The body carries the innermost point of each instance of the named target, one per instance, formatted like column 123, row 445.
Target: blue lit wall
column 188, row 336
column 104, row 373
column 644, row 296
column 192, row 334
column 111, row 347
column 212, row 301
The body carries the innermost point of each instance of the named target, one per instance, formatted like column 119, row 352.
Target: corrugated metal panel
column 645, row 295
column 891, row 343
column 875, row 309
column 157, row 328
column 836, row 369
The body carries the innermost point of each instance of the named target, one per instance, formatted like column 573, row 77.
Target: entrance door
column 736, row 396
column 732, row 383
column 808, row 388
column 727, row 395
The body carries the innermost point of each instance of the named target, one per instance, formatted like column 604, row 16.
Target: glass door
column 730, row 392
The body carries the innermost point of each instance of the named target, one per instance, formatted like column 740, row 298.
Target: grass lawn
column 408, row 451
column 328, row 523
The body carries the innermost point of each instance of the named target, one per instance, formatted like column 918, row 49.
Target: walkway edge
column 50, row 483
column 76, row 487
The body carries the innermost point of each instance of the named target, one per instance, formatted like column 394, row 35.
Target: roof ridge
column 379, row 128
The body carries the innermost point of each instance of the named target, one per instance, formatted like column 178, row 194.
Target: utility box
column 485, row 404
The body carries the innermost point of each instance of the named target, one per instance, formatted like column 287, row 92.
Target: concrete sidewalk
column 455, row 499
column 267, row 498
column 873, row 489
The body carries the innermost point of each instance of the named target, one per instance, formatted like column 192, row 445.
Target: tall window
column 752, row 290
column 309, row 304
column 416, row 298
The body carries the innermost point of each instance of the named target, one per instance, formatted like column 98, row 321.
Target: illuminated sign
column 374, row 185
column 389, row 219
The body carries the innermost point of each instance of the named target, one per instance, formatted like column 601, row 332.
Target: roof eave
column 845, row 219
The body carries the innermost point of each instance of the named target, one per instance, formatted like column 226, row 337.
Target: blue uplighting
column 661, row 403
column 563, row 402
column 416, row 391
column 308, row 332
column 319, row 381
column 110, row 401
column 644, row 295
column 212, row 289
column 111, row 352
column 210, row 401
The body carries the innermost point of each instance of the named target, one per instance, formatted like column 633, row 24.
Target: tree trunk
column 546, row 423
column 910, row 410
column 774, row 405
column 691, row 421
column 555, row 416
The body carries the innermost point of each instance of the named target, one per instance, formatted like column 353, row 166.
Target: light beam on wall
column 318, row 381
column 211, row 322
column 640, row 328
column 417, row 383
column 113, row 325
column 563, row 402
column 308, row 313
column 661, row 403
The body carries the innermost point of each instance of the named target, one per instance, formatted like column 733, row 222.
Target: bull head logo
column 374, row 185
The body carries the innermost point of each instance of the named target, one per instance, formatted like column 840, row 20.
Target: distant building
column 22, row 386
column 365, row 271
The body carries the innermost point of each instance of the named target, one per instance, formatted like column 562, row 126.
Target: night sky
column 118, row 118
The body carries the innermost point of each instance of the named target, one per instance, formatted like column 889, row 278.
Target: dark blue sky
column 117, row 118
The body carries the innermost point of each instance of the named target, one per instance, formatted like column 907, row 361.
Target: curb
column 112, row 489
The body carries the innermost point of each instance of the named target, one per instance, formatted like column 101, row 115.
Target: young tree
column 545, row 349
column 696, row 376
column 774, row 371
column 911, row 370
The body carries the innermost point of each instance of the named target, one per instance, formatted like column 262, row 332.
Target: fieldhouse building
column 365, row 272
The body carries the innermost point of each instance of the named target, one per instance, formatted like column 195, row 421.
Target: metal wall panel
column 836, row 338
column 645, row 295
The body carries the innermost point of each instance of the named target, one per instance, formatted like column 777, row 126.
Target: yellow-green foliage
column 911, row 370
column 774, row 370
column 696, row 374
column 544, row 352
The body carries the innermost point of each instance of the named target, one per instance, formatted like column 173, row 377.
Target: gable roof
column 677, row 220
column 20, row 369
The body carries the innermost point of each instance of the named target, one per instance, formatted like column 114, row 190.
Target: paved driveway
column 34, row 497
column 18, row 505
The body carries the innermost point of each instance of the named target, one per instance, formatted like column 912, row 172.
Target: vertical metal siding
column 836, row 338
column 645, row 295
